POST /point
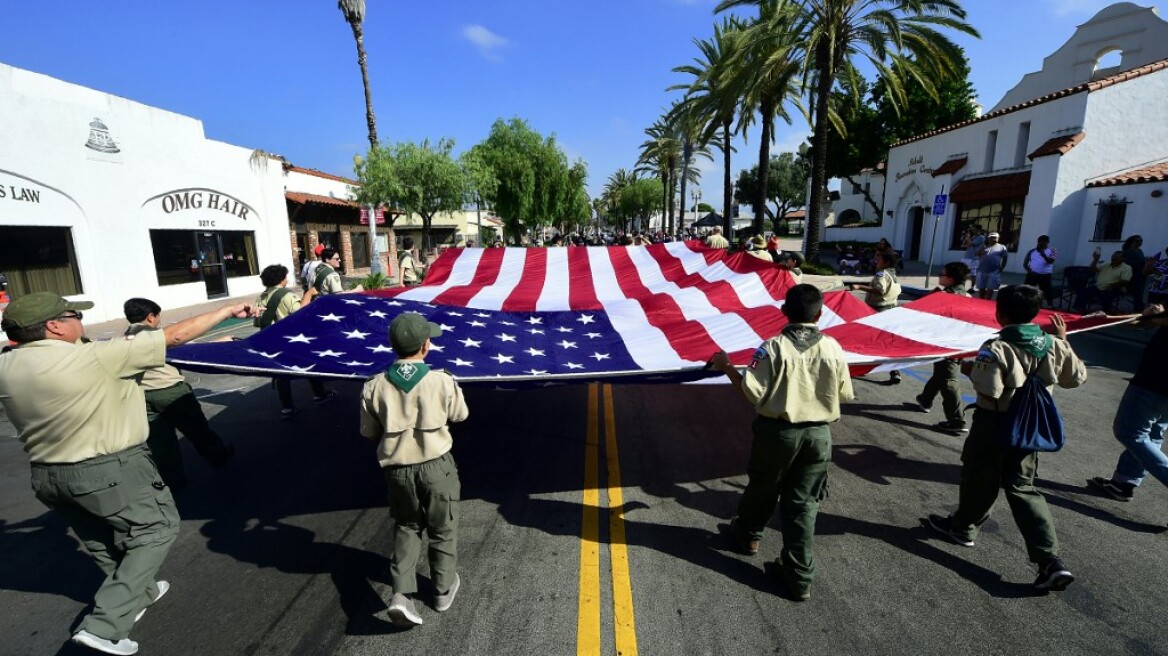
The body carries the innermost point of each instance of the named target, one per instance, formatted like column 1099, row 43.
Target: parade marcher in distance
column 991, row 262
column 945, row 372
column 758, row 248
column 716, row 240
column 1039, row 265
column 987, row 467
column 883, row 291
column 171, row 405
column 1141, row 421
column 274, row 304
column 411, row 273
column 81, row 417
column 407, row 410
column 795, row 382
column 326, row 279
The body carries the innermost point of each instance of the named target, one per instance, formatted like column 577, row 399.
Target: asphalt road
column 285, row 551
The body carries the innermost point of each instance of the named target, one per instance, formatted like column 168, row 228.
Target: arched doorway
column 917, row 221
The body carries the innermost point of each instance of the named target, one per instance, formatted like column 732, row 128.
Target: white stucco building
column 1077, row 150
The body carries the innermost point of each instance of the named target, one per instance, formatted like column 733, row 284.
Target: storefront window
column 179, row 258
column 360, row 243
column 239, row 254
column 38, row 259
column 1003, row 217
column 176, row 260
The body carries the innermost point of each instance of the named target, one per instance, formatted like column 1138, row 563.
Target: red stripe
column 439, row 270
column 486, row 274
column 581, row 290
column 970, row 310
column 526, row 293
column 865, row 340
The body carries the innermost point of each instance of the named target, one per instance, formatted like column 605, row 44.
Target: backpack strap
column 269, row 315
column 323, row 271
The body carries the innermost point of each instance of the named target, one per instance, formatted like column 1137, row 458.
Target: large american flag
column 516, row 317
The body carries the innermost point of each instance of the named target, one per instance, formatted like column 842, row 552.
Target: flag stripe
column 582, row 283
column 555, row 295
column 484, row 274
column 464, row 266
column 495, row 292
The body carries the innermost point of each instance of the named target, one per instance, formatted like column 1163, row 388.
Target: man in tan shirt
column 407, row 410
column 795, row 382
column 82, row 420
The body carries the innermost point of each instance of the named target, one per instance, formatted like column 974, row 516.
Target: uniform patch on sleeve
column 760, row 354
column 986, row 355
column 879, row 274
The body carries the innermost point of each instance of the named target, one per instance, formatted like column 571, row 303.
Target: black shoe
column 1108, row 487
column 742, row 542
column 795, row 591
column 924, row 407
column 894, row 378
column 1053, row 576
column 955, row 427
column 325, row 398
column 944, row 526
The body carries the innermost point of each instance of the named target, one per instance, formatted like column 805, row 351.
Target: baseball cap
column 993, row 235
column 410, row 330
column 318, row 250
column 33, row 309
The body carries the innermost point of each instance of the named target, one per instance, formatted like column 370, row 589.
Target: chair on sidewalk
column 1075, row 278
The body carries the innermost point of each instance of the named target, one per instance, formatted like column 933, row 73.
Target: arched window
column 1107, row 62
column 849, row 217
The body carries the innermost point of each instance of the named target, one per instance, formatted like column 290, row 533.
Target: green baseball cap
column 33, row 309
column 410, row 330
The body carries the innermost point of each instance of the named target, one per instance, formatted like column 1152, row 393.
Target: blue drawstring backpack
column 1032, row 423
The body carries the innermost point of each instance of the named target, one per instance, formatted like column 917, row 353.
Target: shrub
column 375, row 281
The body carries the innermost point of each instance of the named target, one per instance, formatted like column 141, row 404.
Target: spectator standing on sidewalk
column 883, row 292
column 945, row 372
column 990, row 264
column 987, row 467
column 1039, row 265
column 407, row 410
column 275, row 304
column 972, row 243
column 81, row 417
column 1141, row 421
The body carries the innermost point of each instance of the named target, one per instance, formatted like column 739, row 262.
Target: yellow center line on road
column 588, row 617
column 622, row 589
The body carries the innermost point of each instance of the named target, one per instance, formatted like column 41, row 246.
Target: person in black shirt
column 1141, row 421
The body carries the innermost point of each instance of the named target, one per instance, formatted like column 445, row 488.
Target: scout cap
column 33, row 309
column 758, row 242
column 795, row 255
column 410, row 330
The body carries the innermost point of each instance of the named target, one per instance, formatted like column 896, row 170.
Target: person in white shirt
column 1039, row 264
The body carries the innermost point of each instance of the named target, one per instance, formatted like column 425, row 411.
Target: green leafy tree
column 640, row 199
column 786, row 186
column 428, row 180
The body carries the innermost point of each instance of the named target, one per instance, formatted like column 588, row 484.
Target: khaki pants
column 424, row 497
column 124, row 515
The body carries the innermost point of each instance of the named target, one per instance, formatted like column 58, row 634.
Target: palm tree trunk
column 819, row 150
column 767, row 112
column 727, row 181
column 686, row 156
column 362, row 61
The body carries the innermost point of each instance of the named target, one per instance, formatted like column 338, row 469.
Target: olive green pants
column 424, row 497
column 986, row 468
column 787, row 462
column 176, row 407
column 945, row 382
column 124, row 515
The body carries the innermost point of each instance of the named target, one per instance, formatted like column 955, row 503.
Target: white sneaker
column 124, row 646
column 442, row 602
column 163, row 586
column 402, row 612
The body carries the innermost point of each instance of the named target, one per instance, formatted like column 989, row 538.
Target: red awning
column 992, row 188
column 304, row 199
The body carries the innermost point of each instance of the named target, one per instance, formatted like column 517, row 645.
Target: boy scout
column 275, row 304
column 171, row 405
column 882, row 293
column 944, row 380
column 82, row 420
column 795, row 382
column 407, row 409
column 1001, row 367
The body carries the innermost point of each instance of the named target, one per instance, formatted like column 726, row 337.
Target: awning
column 305, row 199
column 994, row 187
column 951, row 166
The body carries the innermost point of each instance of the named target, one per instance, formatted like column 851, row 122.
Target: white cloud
column 485, row 40
column 1076, row 7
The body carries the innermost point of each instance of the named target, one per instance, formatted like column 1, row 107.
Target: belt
column 122, row 456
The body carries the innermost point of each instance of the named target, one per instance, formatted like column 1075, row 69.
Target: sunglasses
column 76, row 315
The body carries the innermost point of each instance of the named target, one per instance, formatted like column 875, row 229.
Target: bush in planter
column 375, row 281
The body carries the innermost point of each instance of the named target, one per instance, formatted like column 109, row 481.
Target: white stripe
column 943, row 332
column 748, row 287
column 492, row 296
column 554, row 295
column 461, row 274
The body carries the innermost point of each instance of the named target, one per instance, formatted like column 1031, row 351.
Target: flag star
column 566, row 344
column 470, row 343
column 328, row 353
column 503, row 359
column 482, row 315
column 302, row 338
column 535, row 331
column 505, row 337
column 535, row 320
column 459, row 362
column 353, row 302
column 507, row 323
column 445, row 328
column 477, row 324
column 586, row 318
column 394, row 303
column 536, row 372
column 599, row 356
column 356, row 334
column 380, row 348
column 300, row 369
column 379, row 314
column 354, row 363
column 453, row 313
column 266, row 355
column 592, row 335
column 437, row 348
column 534, row 352
column 330, row 317
column 573, row 365
column 563, row 329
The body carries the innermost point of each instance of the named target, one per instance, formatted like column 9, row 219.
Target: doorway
column 211, row 263
column 918, row 227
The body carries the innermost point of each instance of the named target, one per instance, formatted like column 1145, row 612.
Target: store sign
column 20, row 194
column 915, row 165
column 207, row 206
column 380, row 214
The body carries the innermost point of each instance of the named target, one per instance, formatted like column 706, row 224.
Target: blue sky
column 281, row 75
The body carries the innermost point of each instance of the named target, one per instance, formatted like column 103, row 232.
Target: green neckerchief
column 802, row 335
column 1028, row 337
column 406, row 374
column 955, row 289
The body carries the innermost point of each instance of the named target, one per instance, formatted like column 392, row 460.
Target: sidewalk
column 111, row 329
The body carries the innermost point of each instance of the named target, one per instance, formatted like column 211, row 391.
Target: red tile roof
column 304, row 199
column 1153, row 173
column 951, row 166
column 796, row 214
column 1095, row 85
column 319, row 174
column 1058, row 145
column 995, row 187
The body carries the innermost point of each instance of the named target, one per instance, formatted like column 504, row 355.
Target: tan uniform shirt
column 71, row 402
column 159, row 377
column 885, row 290
column 717, row 241
column 411, row 427
column 762, row 255
column 1000, row 369
column 332, row 284
column 783, row 383
column 289, row 304
column 409, row 269
column 1109, row 275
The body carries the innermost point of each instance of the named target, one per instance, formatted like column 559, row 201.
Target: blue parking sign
column 939, row 204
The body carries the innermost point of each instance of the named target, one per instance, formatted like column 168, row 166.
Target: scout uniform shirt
column 71, row 402
column 799, row 376
column 1001, row 368
column 885, row 290
column 408, row 408
column 409, row 269
column 157, row 378
column 328, row 281
column 289, row 304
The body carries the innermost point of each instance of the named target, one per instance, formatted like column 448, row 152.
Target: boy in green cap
column 407, row 409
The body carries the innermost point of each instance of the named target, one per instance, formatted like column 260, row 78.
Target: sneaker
column 796, row 591
column 442, row 601
column 1053, row 576
column 123, row 646
column 957, row 427
column 944, row 526
column 746, row 545
column 163, row 587
column 1117, row 491
column 325, row 398
column 920, row 401
column 894, row 378
column 402, row 612
column 287, row 413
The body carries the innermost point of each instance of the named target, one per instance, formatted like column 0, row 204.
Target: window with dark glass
column 360, row 244
column 39, row 259
column 239, row 254
column 176, row 259
column 1109, row 215
column 1003, row 217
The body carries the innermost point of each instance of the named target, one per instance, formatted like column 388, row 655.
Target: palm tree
column 610, row 194
column 354, row 11
column 690, row 127
column 661, row 154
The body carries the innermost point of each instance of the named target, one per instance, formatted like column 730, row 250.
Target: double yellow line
column 588, row 618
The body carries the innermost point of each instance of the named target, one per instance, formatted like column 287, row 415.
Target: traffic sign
column 939, row 202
